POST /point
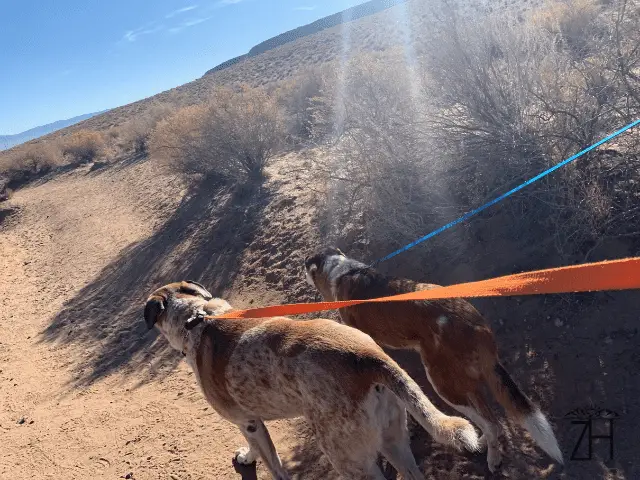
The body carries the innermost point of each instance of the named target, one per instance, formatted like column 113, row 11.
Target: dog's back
column 279, row 366
column 442, row 323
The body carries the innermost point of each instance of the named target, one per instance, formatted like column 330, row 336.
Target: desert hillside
column 287, row 59
column 365, row 147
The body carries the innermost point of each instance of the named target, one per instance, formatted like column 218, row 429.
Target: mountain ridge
column 8, row 141
column 348, row 15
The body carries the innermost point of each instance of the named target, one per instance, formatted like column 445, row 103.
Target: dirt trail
column 85, row 392
column 67, row 230
column 54, row 423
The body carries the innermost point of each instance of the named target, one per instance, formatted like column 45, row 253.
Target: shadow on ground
column 5, row 213
column 201, row 241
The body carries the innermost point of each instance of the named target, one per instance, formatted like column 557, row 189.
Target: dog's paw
column 245, row 456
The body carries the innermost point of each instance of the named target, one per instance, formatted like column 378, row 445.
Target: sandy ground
column 86, row 392
column 66, row 409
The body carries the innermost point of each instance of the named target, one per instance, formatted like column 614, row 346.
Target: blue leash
column 476, row 211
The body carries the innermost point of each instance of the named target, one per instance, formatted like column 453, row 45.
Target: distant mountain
column 8, row 141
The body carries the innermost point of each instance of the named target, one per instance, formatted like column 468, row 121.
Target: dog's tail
column 454, row 431
column 519, row 407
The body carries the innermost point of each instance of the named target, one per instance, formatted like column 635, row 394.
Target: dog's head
column 171, row 307
column 320, row 266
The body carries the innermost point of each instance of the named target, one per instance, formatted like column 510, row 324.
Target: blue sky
column 62, row 58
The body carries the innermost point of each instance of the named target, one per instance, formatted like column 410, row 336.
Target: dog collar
column 194, row 321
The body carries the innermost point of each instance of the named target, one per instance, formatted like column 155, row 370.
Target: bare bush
column 83, row 146
column 28, row 162
column 381, row 160
column 233, row 136
column 513, row 101
column 623, row 57
column 135, row 134
column 297, row 96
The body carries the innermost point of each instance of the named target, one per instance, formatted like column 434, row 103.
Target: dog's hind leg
column 350, row 442
column 462, row 392
column 257, row 435
column 479, row 412
column 396, row 444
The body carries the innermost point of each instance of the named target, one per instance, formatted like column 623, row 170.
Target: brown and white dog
column 457, row 347
column 251, row 370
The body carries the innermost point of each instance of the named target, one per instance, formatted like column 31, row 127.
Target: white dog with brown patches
column 457, row 346
column 353, row 394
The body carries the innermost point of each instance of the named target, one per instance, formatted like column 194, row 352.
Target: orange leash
column 621, row 274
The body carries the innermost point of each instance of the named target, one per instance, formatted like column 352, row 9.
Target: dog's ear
column 195, row 288
column 312, row 269
column 152, row 310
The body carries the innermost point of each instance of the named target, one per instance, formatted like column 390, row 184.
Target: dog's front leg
column 257, row 435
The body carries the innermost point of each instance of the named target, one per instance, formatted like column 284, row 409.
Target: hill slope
column 391, row 26
column 354, row 13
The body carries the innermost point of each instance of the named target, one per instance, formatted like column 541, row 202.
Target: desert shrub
column 381, row 158
column 297, row 96
column 622, row 57
column 28, row 162
column 179, row 140
column 82, row 146
column 494, row 101
column 232, row 136
column 134, row 134
column 574, row 23
column 512, row 101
